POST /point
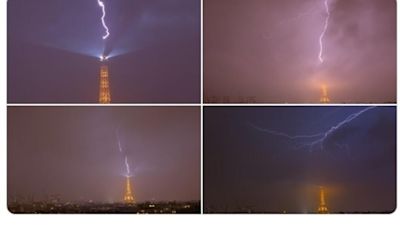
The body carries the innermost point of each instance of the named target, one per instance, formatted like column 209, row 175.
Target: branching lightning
column 321, row 37
column 314, row 140
column 103, row 8
column 294, row 137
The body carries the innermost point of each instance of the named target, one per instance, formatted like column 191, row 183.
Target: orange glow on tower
column 104, row 94
column 128, row 197
column 324, row 98
column 322, row 208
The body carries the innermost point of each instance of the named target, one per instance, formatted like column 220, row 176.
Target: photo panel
column 103, row 51
column 103, row 160
column 329, row 159
column 304, row 51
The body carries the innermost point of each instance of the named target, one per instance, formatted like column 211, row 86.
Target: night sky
column 73, row 152
column 268, row 50
column 54, row 45
column 248, row 168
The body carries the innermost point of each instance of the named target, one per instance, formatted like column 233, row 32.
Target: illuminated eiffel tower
column 324, row 98
column 104, row 91
column 128, row 197
column 322, row 208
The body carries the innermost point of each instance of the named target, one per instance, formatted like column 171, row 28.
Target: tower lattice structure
column 322, row 208
column 128, row 197
column 324, row 98
column 104, row 92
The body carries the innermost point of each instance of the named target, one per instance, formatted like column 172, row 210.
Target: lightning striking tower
column 322, row 208
column 128, row 197
column 324, row 97
column 104, row 90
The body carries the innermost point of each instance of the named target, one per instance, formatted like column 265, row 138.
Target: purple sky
column 54, row 45
column 268, row 49
column 73, row 152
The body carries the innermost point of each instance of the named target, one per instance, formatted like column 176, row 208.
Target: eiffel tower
column 128, row 197
column 104, row 90
column 324, row 98
column 322, row 208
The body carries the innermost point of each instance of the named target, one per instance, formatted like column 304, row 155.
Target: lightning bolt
column 321, row 37
column 119, row 145
column 103, row 8
column 127, row 167
column 284, row 135
column 317, row 139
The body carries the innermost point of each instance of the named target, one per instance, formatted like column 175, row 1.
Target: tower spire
column 128, row 197
column 322, row 208
column 104, row 94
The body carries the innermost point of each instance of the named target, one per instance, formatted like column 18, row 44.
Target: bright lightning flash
column 321, row 37
column 103, row 8
column 314, row 140
column 128, row 169
column 103, row 58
